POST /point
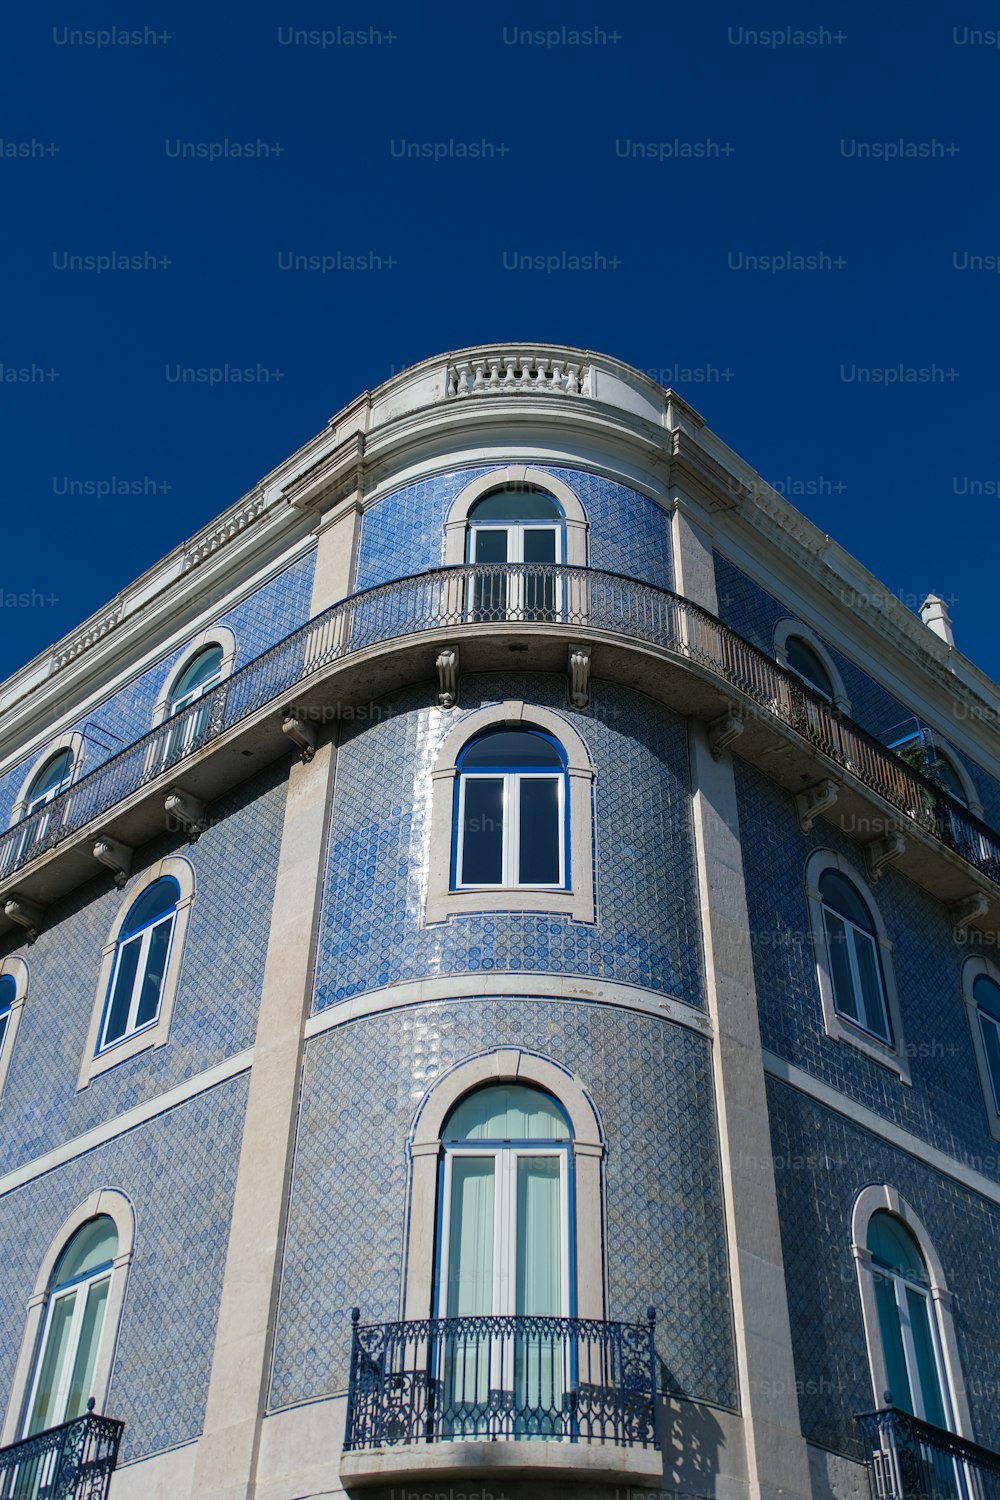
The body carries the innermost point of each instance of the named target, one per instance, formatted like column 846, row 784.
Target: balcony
column 72, row 1462
column 502, row 1396
column 405, row 631
column 910, row 1460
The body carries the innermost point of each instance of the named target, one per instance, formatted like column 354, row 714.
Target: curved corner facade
column 497, row 990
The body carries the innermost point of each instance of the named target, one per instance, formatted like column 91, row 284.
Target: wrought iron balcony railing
column 72, row 1462
column 501, row 594
column 497, row 1379
column 910, row 1460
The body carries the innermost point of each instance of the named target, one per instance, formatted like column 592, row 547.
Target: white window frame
column 516, row 476
column 516, row 531
column 81, row 1289
column 511, row 830
column 901, row 1286
column 856, row 935
column 972, row 969
column 14, row 968
column 144, row 937
column 576, row 898
column 163, row 747
column 154, row 1033
column 837, row 1026
column 26, row 805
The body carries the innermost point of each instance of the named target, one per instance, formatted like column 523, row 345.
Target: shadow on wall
column 692, row 1444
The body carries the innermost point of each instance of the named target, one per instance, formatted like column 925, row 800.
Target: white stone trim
column 783, row 633
column 883, row 1198
column 496, row 1066
column 116, row 1206
column 838, row 1027
column 212, row 635
column 79, row 1145
column 70, row 741
column 578, row 900
column 971, row 971
column 510, row 476
column 524, row 986
column 894, row 1135
column 17, row 969
column 158, row 1033
column 956, row 763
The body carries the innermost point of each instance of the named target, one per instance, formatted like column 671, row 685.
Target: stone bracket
column 967, row 910
column 725, row 729
column 188, row 811
column 578, row 666
column 815, row 800
column 882, row 852
column 26, row 914
column 117, row 857
column 301, row 733
column 447, row 670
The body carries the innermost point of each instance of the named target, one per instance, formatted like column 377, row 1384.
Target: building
column 508, row 874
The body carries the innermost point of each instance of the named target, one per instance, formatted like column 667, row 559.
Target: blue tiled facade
column 945, row 1104
column 215, row 1009
column 650, row 1081
column 822, row 1162
column 178, row 1171
column 258, row 622
column 403, row 532
column 647, row 929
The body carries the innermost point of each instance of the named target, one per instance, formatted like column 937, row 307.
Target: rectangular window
column 538, row 818
column 481, row 832
column 510, row 832
column 856, row 976
column 137, row 982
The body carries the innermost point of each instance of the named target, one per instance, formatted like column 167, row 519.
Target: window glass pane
column 52, row 776
column 121, row 998
column 86, row 1350
column 482, row 831
column 156, row 899
column 511, row 748
column 871, row 985
column 986, row 993
column 491, row 546
column 4, row 1020
column 507, row 1112
column 470, row 1240
column 96, row 1244
column 892, row 1345
column 198, row 674
column 515, row 505
column 926, row 1372
column 44, row 1412
column 539, row 1259
column 844, row 997
column 894, row 1247
column 538, row 856
column 8, row 991
column 991, row 1046
column 843, row 896
column 152, row 979
column 802, row 660
column 540, row 546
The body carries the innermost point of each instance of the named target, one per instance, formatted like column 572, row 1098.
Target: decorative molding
column 882, row 852
column 26, row 914
column 301, row 733
column 117, row 857
column 967, row 910
column 235, row 522
column 725, row 729
column 101, row 627
column 578, row 665
column 520, row 373
column 447, row 670
column 187, row 810
column 815, row 800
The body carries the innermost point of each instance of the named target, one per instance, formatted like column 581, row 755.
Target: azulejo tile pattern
column 648, row 924
column 651, row 1082
column 752, row 612
column 403, row 532
column 822, row 1162
column 215, row 1009
column 945, row 1104
column 261, row 620
column 179, row 1172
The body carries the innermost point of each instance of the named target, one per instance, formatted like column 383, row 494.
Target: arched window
column 510, row 812
column 515, row 526
column 13, row 991
column 907, row 1325
column 74, row 1323
column 140, row 966
column 981, row 987
column 201, row 674
column 54, row 777
column 805, row 663
column 854, row 962
column 852, row 947
column 801, row 651
column 8, row 995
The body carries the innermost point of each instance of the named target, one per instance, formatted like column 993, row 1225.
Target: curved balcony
column 382, row 638
column 498, row 1395
column 908, row 1459
column 74, row 1461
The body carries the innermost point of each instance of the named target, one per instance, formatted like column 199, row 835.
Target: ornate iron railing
column 910, row 1460
column 502, row 593
column 71, row 1462
column 502, row 1379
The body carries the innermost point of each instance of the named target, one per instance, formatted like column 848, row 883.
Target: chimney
column 934, row 613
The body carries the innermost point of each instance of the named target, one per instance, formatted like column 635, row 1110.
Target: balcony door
column 515, row 526
column 504, row 1256
column 911, row 1343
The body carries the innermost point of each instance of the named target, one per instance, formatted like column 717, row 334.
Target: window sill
column 841, row 1029
column 444, row 904
column 129, row 1046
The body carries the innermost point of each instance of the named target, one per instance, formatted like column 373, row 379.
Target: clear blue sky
column 889, row 469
